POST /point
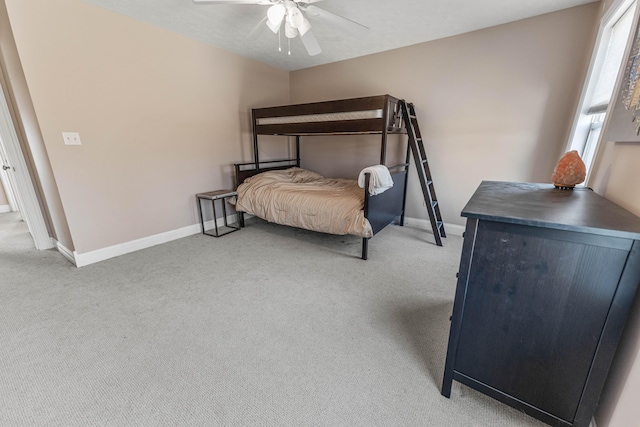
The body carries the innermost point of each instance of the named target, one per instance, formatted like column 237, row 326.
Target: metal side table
column 222, row 196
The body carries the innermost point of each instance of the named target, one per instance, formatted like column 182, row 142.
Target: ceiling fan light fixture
column 275, row 15
column 289, row 31
column 274, row 28
column 295, row 17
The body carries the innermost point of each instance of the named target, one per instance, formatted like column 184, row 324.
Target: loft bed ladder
column 422, row 166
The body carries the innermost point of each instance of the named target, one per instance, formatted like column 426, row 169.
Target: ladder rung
column 424, row 161
column 439, row 223
column 434, row 203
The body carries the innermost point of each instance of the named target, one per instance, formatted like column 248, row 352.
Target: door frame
column 25, row 192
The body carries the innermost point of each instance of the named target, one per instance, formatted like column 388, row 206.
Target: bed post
column 255, row 138
column 385, row 126
column 298, row 150
column 365, row 247
column 365, row 240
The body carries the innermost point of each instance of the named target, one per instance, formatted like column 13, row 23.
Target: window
column 603, row 71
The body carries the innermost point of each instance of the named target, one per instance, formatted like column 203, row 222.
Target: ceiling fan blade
column 339, row 22
column 310, row 43
column 308, row 1
column 257, row 30
column 232, row 1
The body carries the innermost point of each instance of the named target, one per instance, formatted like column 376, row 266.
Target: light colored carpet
column 267, row 326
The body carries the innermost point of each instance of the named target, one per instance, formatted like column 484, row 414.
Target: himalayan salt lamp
column 569, row 171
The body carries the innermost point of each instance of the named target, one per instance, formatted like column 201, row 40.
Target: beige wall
column 494, row 104
column 616, row 178
column 28, row 133
column 161, row 117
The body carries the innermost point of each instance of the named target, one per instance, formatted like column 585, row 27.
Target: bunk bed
column 380, row 115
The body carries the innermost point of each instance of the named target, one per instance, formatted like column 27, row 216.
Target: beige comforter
column 304, row 199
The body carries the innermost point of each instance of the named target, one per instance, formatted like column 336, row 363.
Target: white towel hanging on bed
column 380, row 180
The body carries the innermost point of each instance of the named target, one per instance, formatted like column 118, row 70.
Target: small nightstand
column 221, row 195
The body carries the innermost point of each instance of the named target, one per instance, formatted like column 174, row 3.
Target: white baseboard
column 425, row 224
column 87, row 258
column 67, row 253
column 5, row 208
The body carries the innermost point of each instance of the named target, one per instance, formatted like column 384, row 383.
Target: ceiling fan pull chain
column 289, row 46
column 279, row 46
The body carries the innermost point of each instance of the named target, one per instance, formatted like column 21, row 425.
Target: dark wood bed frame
column 382, row 209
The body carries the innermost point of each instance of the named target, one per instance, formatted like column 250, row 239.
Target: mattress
column 324, row 117
column 304, row 199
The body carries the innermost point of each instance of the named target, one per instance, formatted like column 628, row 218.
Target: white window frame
column 582, row 137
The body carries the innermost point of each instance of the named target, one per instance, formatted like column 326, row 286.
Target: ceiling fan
column 289, row 14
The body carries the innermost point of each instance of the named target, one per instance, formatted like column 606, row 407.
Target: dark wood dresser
column 546, row 280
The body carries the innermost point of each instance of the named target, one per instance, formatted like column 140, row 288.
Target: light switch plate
column 71, row 138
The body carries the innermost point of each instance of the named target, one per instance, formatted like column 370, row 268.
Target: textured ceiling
column 392, row 24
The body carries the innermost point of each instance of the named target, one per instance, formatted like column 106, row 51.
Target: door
column 16, row 171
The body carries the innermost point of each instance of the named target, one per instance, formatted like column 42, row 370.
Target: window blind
column 612, row 62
